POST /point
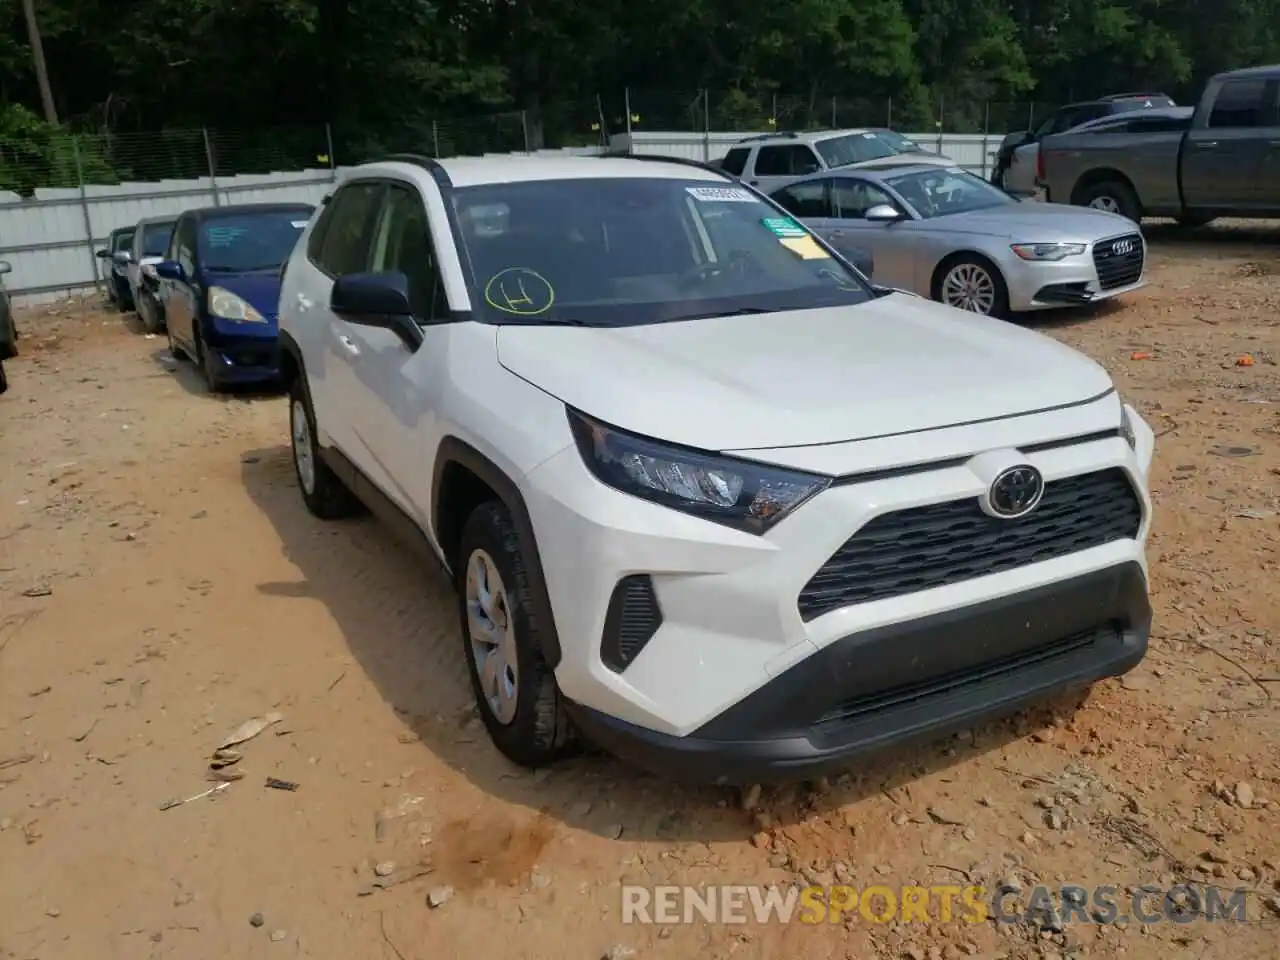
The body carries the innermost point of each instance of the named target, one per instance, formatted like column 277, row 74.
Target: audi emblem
column 1015, row 492
column 1122, row 247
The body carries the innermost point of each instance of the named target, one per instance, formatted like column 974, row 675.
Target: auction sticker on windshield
column 783, row 227
column 720, row 195
column 298, row 224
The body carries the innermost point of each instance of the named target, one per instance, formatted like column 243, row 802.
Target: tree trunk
column 37, row 58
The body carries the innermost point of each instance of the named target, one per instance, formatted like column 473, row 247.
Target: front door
column 393, row 406
column 1224, row 159
column 182, row 297
column 889, row 243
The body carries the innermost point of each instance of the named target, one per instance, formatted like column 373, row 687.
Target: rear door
column 338, row 244
column 779, row 163
column 1227, row 151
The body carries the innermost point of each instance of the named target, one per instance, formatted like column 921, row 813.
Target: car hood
column 1032, row 221
column 261, row 289
column 896, row 364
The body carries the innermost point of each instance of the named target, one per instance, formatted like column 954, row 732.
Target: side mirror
column 122, row 258
column 377, row 300
column 103, row 254
column 883, row 213
column 5, row 267
column 170, row 270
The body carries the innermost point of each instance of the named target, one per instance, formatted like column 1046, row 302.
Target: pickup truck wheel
column 325, row 495
column 515, row 690
column 971, row 283
column 1113, row 196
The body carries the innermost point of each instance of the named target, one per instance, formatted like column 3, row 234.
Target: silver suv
column 772, row 160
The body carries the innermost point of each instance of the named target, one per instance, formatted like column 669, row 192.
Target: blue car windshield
column 249, row 242
column 155, row 239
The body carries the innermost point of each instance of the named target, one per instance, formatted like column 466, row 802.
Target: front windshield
column 898, row 142
column 155, row 239
column 854, row 148
column 944, row 191
column 622, row 251
column 123, row 241
column 248, row 242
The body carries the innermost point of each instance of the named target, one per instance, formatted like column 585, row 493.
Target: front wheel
column 502, row 641
column 149, row 312
column 325, row 495
column 4, row 379
column 972, row 284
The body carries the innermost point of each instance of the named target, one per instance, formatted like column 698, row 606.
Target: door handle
column 303, row 303
column 1207, row 144
column 754, row 183
column 1274, row 143
column 350, row 346
column 835, row 233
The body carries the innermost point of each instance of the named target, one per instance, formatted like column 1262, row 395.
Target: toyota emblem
column 1015, row 492
column 1122, row 247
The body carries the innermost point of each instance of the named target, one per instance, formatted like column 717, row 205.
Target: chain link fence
column 74, row 160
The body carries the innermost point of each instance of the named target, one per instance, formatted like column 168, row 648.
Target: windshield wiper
column 710, row 314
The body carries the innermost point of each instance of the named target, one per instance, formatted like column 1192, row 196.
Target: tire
column 325, row 495
column 175, row 351
column 1113, row 196
column 4, row 379
column 149, row 312
column 987, row 293
column 205, row 362
column 522, row 709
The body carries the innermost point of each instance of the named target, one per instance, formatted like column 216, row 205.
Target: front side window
column 250, row 242
column 854, row 148
column 155, row 239
column 123, row 241
column 184, row 242
column 626, row 251
column 852, row 198
column 944, row 191
column 402, row 244
column 1241, row 103
column 735, row 161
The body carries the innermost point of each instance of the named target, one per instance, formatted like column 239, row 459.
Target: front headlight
column 228, row 306
column 1048, row 251
column 747, row 496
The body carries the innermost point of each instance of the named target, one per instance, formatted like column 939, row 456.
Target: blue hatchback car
column 221, row 287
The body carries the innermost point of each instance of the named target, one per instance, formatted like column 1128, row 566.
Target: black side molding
column 455, row 451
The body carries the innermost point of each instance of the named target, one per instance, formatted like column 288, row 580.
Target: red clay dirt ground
column 160, row 583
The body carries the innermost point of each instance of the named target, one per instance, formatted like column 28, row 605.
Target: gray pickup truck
column 1224, row 162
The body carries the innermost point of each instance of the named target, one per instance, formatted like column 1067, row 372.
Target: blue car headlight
column 747, row 496
column 226, row 305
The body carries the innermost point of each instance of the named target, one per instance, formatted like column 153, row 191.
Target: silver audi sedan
column 946, row 234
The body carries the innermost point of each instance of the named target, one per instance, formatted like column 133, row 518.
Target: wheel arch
column 1100, row 175
column 289, row 360
column 462, row 479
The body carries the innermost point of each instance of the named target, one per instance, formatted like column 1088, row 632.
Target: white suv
column 708, row 499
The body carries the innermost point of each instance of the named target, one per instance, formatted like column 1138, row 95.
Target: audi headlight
column 1048, row 251
column 747, row 496
column 228, row 306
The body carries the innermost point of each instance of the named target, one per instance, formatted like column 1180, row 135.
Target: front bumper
column 1073, row 281
column 848, row 702
column 722, row 624
column 243, row 353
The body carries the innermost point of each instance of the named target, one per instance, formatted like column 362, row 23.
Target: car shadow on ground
column 185, row 372
column 399, row 619
column 1066, row 317
column 1221, row 234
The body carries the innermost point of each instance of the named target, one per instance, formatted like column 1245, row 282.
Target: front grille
column 631, row 620
column 1118, row 269
column 932, row 546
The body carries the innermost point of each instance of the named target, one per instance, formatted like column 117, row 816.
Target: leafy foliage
column 385, row 73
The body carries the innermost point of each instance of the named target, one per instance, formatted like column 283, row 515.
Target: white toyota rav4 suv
column 709, row 499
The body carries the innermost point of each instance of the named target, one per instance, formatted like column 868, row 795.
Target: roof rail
column 430, row 164
column 1137, row 95
column 663, row 158
column 776, row 135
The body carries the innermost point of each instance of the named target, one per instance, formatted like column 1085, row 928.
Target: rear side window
column 806, row 200
column 789, row 160
column 1242, row 103
column 348, row 229
column 735, row 161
